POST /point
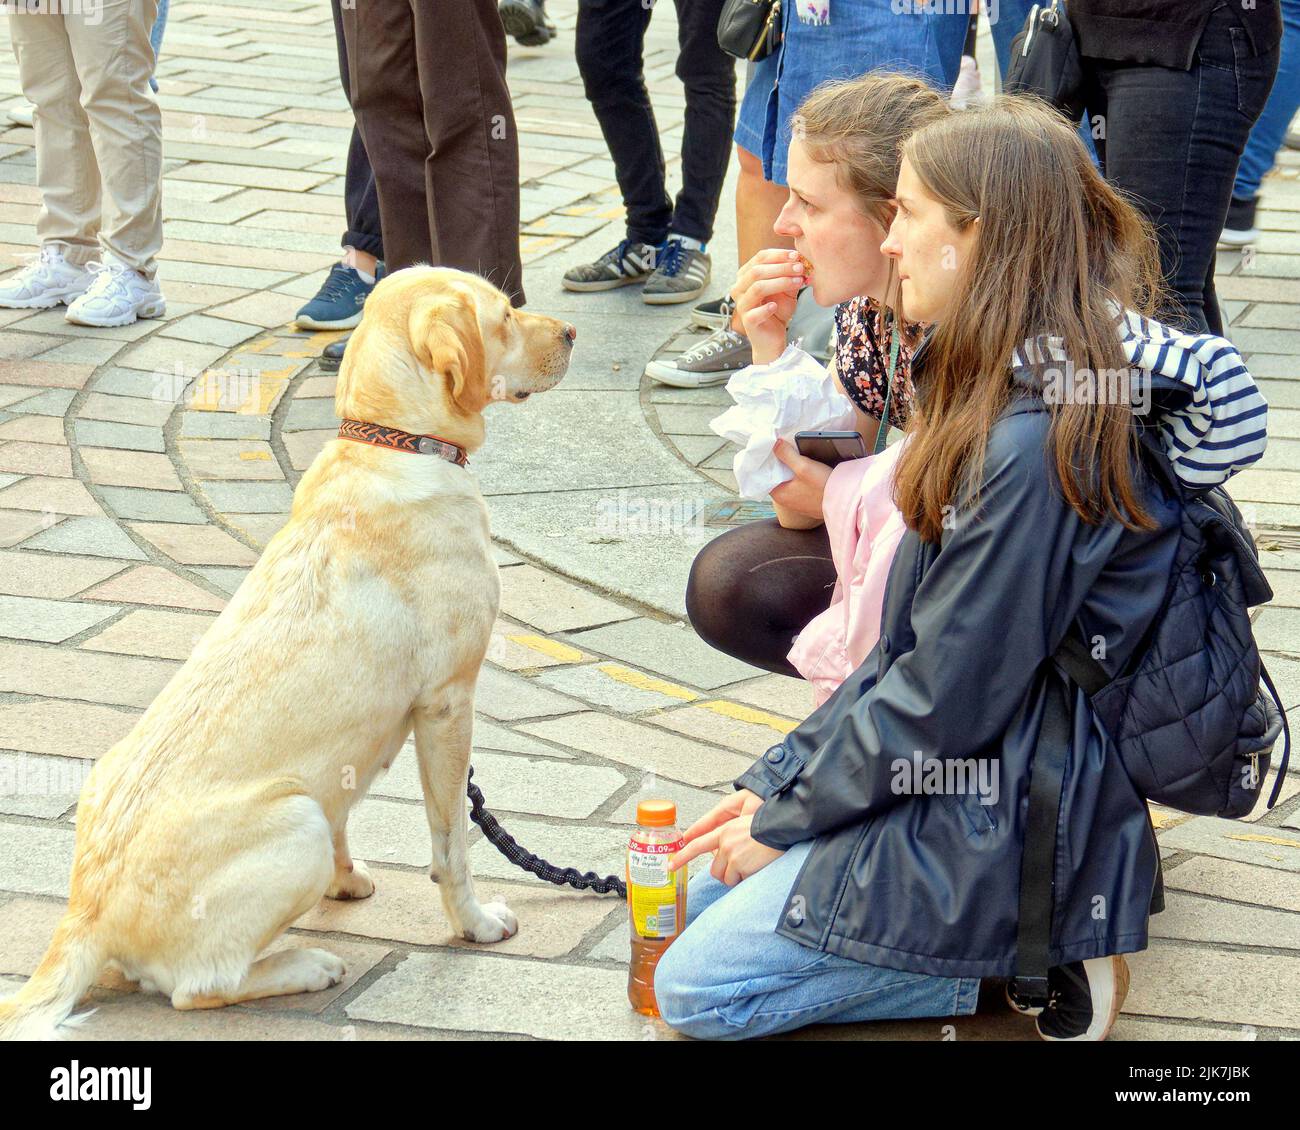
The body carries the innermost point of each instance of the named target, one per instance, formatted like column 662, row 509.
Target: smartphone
column 831, row 448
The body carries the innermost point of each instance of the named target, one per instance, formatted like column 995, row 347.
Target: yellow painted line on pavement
column 643, row 682
column 556, row 650
column 255, row 456
column 314, row 344
column 1255, row 838
column 750, row 715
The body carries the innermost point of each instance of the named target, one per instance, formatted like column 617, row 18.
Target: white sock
column 687, row 241
column 350, row 260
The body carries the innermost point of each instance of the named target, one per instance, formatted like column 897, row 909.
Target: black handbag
column 750, row 29
column 1045, row 60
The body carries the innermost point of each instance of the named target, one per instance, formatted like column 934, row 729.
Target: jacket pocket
column 976, row 818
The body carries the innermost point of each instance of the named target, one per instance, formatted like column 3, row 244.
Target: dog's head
column 436, row 346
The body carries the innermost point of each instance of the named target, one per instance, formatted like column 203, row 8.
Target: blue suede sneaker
column 338, row 303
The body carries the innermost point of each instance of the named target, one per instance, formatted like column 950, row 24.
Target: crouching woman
column 839, row 891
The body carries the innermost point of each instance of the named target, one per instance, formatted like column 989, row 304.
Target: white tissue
column 795, row 393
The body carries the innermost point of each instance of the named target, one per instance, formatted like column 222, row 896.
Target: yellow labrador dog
column 222, row 816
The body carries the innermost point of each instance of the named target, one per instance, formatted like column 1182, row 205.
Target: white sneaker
column 47, row 280
column 117, row 297
column 22, row 113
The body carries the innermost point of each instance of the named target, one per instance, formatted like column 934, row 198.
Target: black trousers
column 610, row 41
column 360, row 201
column 1171, row 139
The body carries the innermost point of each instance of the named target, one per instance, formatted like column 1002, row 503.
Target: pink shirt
column 864, row 527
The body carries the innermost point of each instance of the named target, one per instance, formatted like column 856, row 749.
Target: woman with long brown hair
column 883, row 836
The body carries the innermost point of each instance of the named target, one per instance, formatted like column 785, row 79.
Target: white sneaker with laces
column 117, row 297
column 47, row 280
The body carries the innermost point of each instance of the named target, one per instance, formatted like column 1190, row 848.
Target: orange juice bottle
column 656, row 897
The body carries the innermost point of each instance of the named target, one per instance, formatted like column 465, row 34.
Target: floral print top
column 862, row 360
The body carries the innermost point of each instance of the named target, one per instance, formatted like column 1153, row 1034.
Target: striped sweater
column 1222, row 427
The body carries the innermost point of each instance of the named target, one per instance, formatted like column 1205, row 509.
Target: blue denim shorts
column 862, row 36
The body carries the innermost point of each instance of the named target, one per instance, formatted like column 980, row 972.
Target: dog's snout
column 570, row 334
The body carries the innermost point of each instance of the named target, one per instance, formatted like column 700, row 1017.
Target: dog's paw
column 320, row 969
column 354, row 884
column 496, row 924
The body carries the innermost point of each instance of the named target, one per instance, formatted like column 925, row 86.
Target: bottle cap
column 656, row 813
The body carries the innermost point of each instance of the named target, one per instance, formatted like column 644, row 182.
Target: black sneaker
column 624, row 265
column 1085, row 999
column 713, row 315
column 1239, row 228
column 527, row 22
column 331, row 356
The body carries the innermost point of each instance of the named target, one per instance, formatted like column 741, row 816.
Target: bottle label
column 652, row 888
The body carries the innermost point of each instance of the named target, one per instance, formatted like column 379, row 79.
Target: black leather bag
column 1045, row 60
column 750, row 29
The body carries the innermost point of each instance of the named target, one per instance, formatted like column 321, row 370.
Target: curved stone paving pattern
column 134, row 494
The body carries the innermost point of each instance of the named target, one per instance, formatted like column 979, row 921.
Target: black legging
column 754, row 588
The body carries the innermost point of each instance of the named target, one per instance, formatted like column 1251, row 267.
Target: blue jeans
column 1266, row 136
column 731, row 976
column 155, row 37
column 1004, row 18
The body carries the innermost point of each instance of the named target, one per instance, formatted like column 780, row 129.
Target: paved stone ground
column 141, row 469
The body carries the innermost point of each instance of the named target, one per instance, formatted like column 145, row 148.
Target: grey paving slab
column 1199, row 983
column 1237, row 882
column 675, row 652
column 133, row 383
column 152, row 505
column 1194, row 918
column 36, row 859
column 94, row 537
column 53, row 621
column 464, row 992
column 1231, row 839
column 52, row 402
column 506, row 697
column 224, row 425
column 39, row 786
column 226, row 577
column 593, row 683
column 589, row 847
column 310, row 415
column 249, row 498
column 128, row 437
column 511, row 783
column 637, row 542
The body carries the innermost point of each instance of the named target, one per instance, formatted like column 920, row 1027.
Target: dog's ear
column 446, row 339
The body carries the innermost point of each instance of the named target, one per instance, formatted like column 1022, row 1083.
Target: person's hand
column 765, row 292
column 736, row 854
column 740, row 803
column 804, row 493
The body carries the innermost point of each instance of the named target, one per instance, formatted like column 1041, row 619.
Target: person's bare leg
column 758, row 203
column 362, row 261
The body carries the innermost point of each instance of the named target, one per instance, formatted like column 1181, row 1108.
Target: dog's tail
column 67, row 970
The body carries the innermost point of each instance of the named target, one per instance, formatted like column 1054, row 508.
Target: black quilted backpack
column 1193, row 714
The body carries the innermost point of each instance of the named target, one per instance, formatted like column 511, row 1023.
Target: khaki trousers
column 86, row 66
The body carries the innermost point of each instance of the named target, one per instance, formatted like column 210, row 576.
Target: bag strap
column 1074, row 658
column 1038, row 854
column 1286, row 734
column 882, row 433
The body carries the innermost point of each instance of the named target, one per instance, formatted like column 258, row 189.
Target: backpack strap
column 1286, row 734
column 1074, row 658
column 1038, row 852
